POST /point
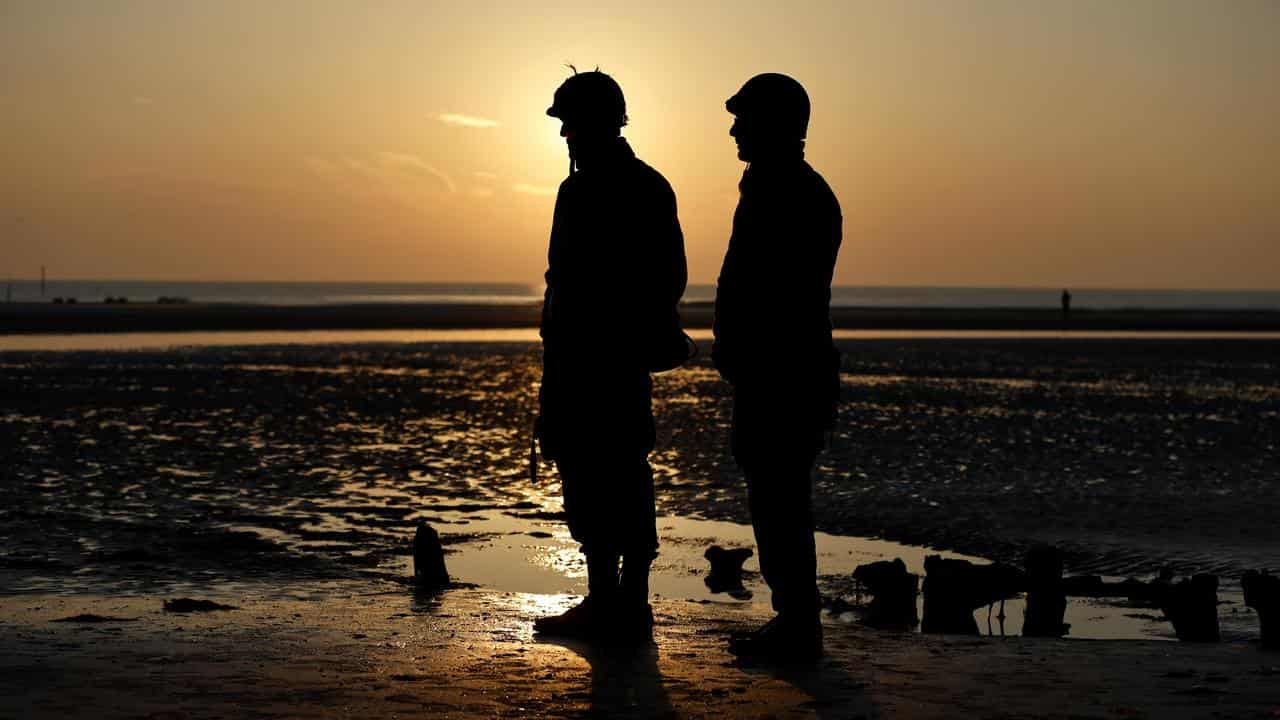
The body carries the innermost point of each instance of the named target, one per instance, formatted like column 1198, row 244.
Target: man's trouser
column 609, row 503
column 777, row 458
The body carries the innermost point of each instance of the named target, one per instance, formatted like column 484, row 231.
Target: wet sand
column 288, row 479
column 1129, row 454
column 347, row 650
column 18, row 318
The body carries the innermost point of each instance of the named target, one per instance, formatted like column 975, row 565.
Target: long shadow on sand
column 625, row 681
column 833, row 692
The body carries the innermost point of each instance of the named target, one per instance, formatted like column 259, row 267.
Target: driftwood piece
column 429, row 572
column 954, row 589
column 893, row 593
column 1138, row 593
column 190, row 605
column 1046, row 594
column 1262, row 593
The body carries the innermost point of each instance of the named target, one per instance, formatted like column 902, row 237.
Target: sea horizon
column 507, row 293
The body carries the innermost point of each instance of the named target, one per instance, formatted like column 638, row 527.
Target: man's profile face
column 571, row 133
column 583, row 134
column 746, row 136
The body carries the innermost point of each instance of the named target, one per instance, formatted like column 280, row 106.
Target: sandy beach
column 287, row 479
column 370, row 651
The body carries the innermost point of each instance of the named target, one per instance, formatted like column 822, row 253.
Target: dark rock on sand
column 893, row 593
column 954, row 589
column 726, row 568
column 1192, row 606
column 1046, row 594
column 1262, row 593
column 429, row 572
column 188, row 605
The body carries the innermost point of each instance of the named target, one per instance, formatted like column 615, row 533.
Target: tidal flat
column 286, row 474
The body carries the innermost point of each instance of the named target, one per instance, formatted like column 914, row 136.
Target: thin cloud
column 319, row 166
column 469, row 121
column 485, row 175
column 413, row 163
column 528, row 189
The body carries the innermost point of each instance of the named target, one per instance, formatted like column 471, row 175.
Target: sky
column 1082, row 143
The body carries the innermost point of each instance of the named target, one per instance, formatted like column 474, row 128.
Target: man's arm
column 552, row 276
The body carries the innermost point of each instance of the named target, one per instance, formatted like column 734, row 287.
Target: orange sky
column 1001, row 142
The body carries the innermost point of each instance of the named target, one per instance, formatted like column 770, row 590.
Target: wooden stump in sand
column 1046, row 594
column 726, row 568
column 1192, row 607
column 893, row 593
column 1262, row 593
column 954, row 589
column 429, row 572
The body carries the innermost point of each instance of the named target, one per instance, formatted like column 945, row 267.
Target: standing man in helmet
column 773, row 344
column 616, row 274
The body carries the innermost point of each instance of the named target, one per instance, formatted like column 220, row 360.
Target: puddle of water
column 508, row 558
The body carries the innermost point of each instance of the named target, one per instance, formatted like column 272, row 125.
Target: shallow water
column 227, row 338
column 538, row 557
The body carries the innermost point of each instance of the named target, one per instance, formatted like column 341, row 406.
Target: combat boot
column 783, row 639
column 588, row 620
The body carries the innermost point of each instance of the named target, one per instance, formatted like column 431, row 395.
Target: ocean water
column 327, row 293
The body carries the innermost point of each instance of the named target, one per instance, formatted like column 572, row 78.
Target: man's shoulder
column 571, row 184
column 648, row 177
column 817, row 185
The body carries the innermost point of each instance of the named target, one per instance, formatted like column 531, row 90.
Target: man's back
column 616, row 263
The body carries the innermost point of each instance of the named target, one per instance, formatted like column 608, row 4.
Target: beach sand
column 364, row 651
column 288, row 479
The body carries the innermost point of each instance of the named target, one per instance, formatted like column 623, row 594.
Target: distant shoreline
column 49, row 318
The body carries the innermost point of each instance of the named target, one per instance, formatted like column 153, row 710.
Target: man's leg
column 587, row 514
column 779, row 496
column 778, row 466
column 639, row 541
column 638, row 525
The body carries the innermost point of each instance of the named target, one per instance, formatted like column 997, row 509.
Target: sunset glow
column 1001, row 143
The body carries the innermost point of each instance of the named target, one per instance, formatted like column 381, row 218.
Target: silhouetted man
column 773, row 344
column 616, row 273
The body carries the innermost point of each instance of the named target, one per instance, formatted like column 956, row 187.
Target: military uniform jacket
column 773, row 298
column 616, row 271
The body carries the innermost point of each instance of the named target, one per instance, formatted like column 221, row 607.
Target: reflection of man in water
column 773, row 344
column 616, row 273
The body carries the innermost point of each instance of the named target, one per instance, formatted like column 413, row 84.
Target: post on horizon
column 1066, row 305
column 41, row 281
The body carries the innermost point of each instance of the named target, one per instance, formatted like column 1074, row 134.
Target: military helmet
column 774, row 100
column 590, row 97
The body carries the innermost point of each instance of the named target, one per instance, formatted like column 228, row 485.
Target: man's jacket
column 773, row 298
column 616, row 272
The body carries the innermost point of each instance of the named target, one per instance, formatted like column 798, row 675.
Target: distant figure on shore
column 616, row 272
column 773, row 344
column 1066, row 305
